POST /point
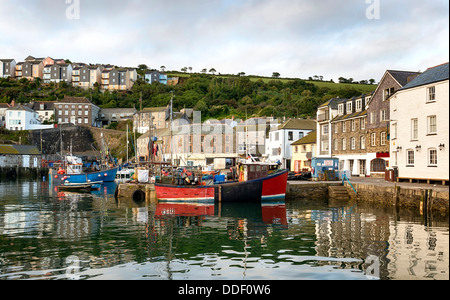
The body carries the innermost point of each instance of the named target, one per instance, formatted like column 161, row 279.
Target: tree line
column 215, row 96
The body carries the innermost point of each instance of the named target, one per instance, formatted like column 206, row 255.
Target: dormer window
column 359, row 105
column 349, row 107
column 340, row 109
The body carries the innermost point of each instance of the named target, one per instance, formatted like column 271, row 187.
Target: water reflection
column 120, row 239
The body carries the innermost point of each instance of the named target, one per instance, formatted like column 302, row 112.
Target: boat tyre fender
column 138, row 196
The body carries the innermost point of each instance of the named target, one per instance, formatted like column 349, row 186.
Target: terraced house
column 57, row 73
column 7, row 68
column 85, row 76
column 349, row 136
column 378, row 119
column 118, row 79
column 420, row 127
column 78, row 111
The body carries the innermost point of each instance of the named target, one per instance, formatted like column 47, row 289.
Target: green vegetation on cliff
column 215, row 96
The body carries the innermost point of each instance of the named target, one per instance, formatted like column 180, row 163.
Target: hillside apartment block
column 80, row 75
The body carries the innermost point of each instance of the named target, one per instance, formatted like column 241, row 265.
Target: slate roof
column 309, row 139
column 74, row 100
column 434, row 74
column 19, row 150
column 403, row 77
column 350, row 116
column 299, row 124
column 333, row 102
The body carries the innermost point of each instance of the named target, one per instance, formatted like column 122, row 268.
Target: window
column 373, row 139
column 388, row 93
column 432, row 157
column 410, row 157
column 277, row 136
column 378, row 165
column 383, row 138
column 362, row 142
column 341, row 109
column 336, row 144
column 336, row 128
column 353, row 123
column 290, row 136
column 414, row 129
column 300, row 135
column 325, row 129
column 344, row 127
column 296, row 149
column 394, row 131
column 359, row 105
column 432, row 126
column 349, row 107
column 362, row 123
column 383, row 115
column 431, row 94
column 344, row 144
column 372, row 117
column 353, row 143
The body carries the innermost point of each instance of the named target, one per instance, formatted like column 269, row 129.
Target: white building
column 278, row 145
column 325, row 113
column 22, row 117
column 420, row 128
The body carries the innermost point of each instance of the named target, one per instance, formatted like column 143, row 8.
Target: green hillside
column 215, row 96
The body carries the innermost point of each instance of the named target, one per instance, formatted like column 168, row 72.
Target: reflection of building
column 342, row 233
column 417, row 252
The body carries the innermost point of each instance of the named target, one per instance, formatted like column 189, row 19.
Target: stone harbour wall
column 403, row 197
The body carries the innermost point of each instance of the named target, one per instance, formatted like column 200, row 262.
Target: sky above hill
column 360, row 39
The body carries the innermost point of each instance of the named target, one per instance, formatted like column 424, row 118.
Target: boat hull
column 267, row 188
column 104, row 175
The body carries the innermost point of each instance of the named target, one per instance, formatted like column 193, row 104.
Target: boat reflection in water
column 267, row 212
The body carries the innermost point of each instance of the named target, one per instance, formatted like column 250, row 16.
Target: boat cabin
column 253, row 171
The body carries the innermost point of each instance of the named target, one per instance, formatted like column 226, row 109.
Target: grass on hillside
column 365, row 88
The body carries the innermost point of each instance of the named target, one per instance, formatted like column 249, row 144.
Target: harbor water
column 51, row 235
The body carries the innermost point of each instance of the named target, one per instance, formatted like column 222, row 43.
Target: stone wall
column 308, row 191
column 402, row 197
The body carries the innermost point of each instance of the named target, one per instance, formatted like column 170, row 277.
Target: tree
column 184, row 69
column 190, row 69
column 142, row 67
column 275, row 74
column 372, row 81
column 204, row 70
column 163, row 68
column 212, row 70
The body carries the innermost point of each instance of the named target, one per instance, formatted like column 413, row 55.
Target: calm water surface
column 50, row 235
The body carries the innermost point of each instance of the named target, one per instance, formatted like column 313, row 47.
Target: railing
column 344, row 178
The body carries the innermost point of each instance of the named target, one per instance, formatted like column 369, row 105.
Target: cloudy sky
column 297, row 38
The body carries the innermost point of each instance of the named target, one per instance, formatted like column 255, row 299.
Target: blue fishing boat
column 73, row 173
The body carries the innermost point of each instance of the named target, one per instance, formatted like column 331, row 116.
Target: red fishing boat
column 255, row 184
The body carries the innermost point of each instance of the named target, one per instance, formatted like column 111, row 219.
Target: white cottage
column 278, row 145
column 20, row 117
column 419, row 127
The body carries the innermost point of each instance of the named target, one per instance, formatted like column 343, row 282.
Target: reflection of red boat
column 274, row 213
column 179, row 209
column 263, row 187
